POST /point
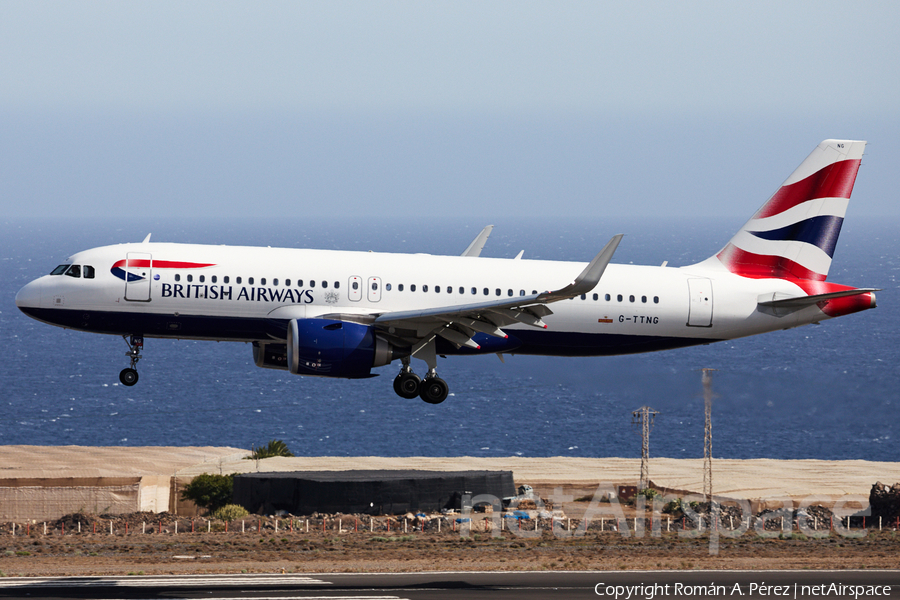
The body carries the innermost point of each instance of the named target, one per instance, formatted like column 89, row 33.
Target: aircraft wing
column 478, row 243
column 459, row 323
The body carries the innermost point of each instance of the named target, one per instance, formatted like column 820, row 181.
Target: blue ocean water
column 826, row 392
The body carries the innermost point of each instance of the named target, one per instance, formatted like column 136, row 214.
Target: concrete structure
column 46, row 482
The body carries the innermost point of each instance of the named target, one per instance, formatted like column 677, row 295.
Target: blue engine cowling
column 327, row 348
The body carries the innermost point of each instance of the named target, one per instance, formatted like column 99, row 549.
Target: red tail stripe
column 834, row 181
column 761, row 266
column 162, row 264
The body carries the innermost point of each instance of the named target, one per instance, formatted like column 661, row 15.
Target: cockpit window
column 59, row 270
column 74, row 271
column 88, row 272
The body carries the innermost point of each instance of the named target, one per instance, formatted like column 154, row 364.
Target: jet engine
column 327, row 348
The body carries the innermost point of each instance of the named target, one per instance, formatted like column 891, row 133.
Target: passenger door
column 138, row 275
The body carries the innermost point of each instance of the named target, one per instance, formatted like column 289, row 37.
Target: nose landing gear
column 129, row 376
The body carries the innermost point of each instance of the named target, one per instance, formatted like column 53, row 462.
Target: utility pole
column 644, row 418
column 707, row 435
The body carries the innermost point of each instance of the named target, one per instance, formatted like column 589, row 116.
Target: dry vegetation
column 330, row 551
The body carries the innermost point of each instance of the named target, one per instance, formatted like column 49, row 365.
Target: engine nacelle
column 326, row 348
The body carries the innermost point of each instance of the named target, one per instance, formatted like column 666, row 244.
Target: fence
column 456, row 524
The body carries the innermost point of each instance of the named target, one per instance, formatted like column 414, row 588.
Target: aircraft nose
column 30, row 296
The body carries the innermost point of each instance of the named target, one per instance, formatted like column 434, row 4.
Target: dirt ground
column 362, row 551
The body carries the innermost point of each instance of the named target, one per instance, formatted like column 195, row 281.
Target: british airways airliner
column 341, row 314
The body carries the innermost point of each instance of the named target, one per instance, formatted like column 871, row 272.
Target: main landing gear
column 432, row 389
column 129, row 376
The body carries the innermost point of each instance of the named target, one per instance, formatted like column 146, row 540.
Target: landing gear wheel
column 407, row 385
column 128, row 377
column 434, row 390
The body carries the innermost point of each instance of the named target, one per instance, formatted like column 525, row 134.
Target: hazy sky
column 420, row 110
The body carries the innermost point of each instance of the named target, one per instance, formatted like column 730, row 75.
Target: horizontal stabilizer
column 773, row 301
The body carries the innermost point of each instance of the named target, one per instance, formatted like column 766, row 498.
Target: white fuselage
column 244, row 289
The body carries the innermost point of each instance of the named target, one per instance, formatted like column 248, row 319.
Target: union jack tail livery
column 794, row 234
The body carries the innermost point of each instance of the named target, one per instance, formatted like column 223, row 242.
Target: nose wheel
column 129, row 376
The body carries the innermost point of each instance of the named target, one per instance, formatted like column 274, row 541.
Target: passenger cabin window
column 238, row 280
column 498, row 292
column 249, row 280
column 177, row 277
column 655, row 299
column 337, row 284
column 412, row 287
column 608, row 297
column 214, row 279
column 596, row 297
column 312, row 283
column 619, row 297
column 202, row 278
column 59, row 270
column 644, row 299
column 631, row 298
column 399, row 287
column 437, row 289
column 486, row 291
column 474, row 291
column 261, row 281
column 88, row 272
column 226, row 279
column 509, row 293
column 462, row 290
column 287, row 283
column 387, row 286
column 424, row 288
column 74, row 271
column 324, row 284
column 274, row 281
column 356, row 286
column 191, row 278
column 299, row 283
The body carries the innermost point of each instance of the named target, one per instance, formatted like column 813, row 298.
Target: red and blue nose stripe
column 119, row 268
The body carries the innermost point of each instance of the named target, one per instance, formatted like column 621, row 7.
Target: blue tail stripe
column 821, row 231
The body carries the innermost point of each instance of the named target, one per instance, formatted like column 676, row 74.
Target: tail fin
column 794, row 234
